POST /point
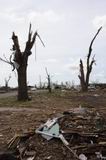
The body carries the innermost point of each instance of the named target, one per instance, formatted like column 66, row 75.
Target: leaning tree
column 19, row 61
column 84, row 77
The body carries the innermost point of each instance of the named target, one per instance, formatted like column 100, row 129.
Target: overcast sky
column 66, row 27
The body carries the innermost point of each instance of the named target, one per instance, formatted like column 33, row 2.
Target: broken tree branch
column 40, row 39
column 16, row 42
column 90, row 47
column 30, row 42
column 5, row 61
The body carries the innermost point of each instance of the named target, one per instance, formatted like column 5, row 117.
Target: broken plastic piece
column 54, row 131
column 50, row 129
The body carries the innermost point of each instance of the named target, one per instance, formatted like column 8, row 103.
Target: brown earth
column 18, row 117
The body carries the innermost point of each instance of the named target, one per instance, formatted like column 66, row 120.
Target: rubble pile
column 76, row 134
column 85, row 130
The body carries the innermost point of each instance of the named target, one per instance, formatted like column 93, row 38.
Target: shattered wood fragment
column 19, row 138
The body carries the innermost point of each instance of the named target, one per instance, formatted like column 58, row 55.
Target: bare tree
column 40, row 82
column 6, row 82
column 84, row 77
column 49, row 81
column 19, row 61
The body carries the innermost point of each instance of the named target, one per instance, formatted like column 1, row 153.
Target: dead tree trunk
column 22, row 83
column 84, row 77
column 49, row 81
column 19, row 61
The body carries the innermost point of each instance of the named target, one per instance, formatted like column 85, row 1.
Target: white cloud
column 47, row 16
column 73, row 65
column 99, row 21
column 58, row 74
column 11, row 15
column 17, row 14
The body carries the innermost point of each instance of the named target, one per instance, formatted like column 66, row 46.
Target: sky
column 66, row 28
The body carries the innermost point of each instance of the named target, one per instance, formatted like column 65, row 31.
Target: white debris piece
column 82, row 157
column 31, row 158
column 99, row 156
column 53, row 131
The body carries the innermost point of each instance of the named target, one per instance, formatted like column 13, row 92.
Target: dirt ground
column 18, row 117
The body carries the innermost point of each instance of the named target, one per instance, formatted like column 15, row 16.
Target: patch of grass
column 13, row 102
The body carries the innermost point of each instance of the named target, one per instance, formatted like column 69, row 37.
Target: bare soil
column 18, row 117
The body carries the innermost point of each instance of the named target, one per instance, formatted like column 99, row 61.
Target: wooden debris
column 80, row 131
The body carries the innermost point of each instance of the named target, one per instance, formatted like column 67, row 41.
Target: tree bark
column 84, row 87
column 49, row 81
column 22, row 83
column 49, row 84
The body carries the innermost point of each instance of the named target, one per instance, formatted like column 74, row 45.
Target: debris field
column 83, row 131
